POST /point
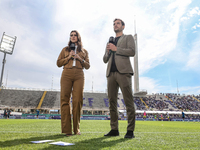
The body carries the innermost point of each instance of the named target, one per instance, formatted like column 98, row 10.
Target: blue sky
column 168, row 37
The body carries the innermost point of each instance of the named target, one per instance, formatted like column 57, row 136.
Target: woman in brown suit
column 72, row 81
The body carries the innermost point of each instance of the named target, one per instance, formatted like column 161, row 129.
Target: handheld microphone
column 72, row 46
column 111, row 40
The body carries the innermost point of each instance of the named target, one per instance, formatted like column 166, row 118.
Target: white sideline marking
column 101, row 132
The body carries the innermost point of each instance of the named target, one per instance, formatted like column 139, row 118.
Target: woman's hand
column 71, row 54
column 76, row 56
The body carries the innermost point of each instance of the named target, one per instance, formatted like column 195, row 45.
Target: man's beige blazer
column 125, row 50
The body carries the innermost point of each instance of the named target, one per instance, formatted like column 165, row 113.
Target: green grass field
column 17, row 134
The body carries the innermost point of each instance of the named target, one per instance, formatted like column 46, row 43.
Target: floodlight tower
column 137, row 91
column 136, row 74
column 6, row 46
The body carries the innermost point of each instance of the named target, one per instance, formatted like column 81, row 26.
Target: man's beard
column 118, row 30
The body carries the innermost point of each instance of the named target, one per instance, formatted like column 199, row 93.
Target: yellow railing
column 170, row 99
column 144, row 103
column 196, row 99
column 40, row 103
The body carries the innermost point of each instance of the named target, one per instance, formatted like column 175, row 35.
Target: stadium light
column 6, row 46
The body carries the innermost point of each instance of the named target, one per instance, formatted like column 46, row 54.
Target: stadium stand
column 20, row 98
column 57, row 100
column 49, row 100
column 140, row 105
column 41, row 100
column 98, row 103
column 95, row 101
column 120, row 102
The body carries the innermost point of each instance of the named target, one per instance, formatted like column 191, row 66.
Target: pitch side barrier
column 189, row 116
column 96, row 117
column 55, row 116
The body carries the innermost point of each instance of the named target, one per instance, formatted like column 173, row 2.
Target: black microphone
column 111, row 40
column 72, row 46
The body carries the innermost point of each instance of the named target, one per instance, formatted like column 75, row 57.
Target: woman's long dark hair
column 79, row 43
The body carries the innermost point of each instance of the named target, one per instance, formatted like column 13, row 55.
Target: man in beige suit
column 119, row 74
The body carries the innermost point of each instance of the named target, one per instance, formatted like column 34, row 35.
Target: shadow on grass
column 94, row 143
column 16, row 142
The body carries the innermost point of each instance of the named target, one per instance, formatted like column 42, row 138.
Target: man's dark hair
column 123, row 24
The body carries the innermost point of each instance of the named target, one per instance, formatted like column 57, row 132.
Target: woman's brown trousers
column 72, row 81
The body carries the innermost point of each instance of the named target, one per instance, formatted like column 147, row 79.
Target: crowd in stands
column 151, row 102
column 186, row 103
column 140, row 105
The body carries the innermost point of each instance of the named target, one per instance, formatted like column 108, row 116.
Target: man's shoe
column 68, row 134
column 112, row 133
column 129, row 134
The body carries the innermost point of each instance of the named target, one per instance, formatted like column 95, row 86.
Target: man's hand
column 111, row 47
